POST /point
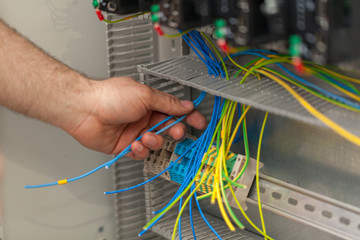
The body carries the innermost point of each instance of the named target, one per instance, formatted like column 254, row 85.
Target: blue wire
column 196, row 35
column 204, row 140
column 207, row 62
column 180, row 205
column 238, row 137
column 158, row 175
column 205, row 220
column 190, row 215
column 338, row 83
column 199, row 142
column 126, row 150
column 212, row 57
column 307, row 83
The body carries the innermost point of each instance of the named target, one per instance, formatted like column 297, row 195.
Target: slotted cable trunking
column 286, row 200
column 263, row 94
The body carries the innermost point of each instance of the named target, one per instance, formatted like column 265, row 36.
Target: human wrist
column 75, row 104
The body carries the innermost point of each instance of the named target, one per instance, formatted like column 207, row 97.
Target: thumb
column 169, row 104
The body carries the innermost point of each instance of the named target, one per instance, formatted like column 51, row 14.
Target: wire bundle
column 225, row 129
column 343, row 84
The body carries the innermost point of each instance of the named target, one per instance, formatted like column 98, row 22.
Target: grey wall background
column 36, row 153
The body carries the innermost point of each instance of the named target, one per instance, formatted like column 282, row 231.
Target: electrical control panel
column 301, row 185
column 328, row 29
column 323, row 26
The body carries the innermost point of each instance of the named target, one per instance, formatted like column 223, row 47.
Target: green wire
column 247, row 155
column 312, row 91
column 305, row 87
column 246, row 145
column 257, row 175
column 246, row 65
column 335, row 77
column 192, row 181
column 218, row 54
column 230, row 112
column 227, row 205
column 126, row 18
column 261, row 65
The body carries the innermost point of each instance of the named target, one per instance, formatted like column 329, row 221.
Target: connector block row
column 171, row 150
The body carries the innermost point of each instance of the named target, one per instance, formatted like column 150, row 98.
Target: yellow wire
column 320, row 96
column 218, row 54
column 177, row 34
column 204, row 177
column 350, row 94
column 257, row 175
column 284, row 59
column 216, row 188
column 125, row 18
column 237, row 128
column 243, row 212
column 334, row 126
column 218, row 173
column 219, row 200
column 246, row 216
column 230, row 143
column 355, row 80
column 239, row 66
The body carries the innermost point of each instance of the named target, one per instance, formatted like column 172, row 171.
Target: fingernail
column 139, row 148
column 152, row 141
column 186, row 104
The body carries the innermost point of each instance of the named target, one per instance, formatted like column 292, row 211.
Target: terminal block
column 246, row 179
column 157, row 161
column 179, row 169
column 207, row 185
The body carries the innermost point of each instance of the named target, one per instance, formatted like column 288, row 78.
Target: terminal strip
column 157, row 161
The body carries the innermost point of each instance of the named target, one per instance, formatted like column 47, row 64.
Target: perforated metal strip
column 263, row 94
column 307, row 207
column 129, row 43
column 160, row 191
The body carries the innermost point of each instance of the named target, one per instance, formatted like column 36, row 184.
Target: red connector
column 223, row 45
column 158, row 29
column 99, row 14
column 298, row 64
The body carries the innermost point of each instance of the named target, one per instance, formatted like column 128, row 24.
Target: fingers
column 169, row 104
column 196, row 120
column 140, row 150
column 176, row 132
column 152, row 141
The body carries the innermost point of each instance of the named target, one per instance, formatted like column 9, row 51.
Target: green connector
column 95, row 3
column 219, row 23
column 295, row 42
column 155, row 18
column 220, row 33
column 155, row 8
column 230, row 163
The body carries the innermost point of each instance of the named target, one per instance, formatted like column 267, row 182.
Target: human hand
column 116, row 111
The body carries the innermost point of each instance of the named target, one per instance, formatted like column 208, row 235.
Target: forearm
column 35, row 84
